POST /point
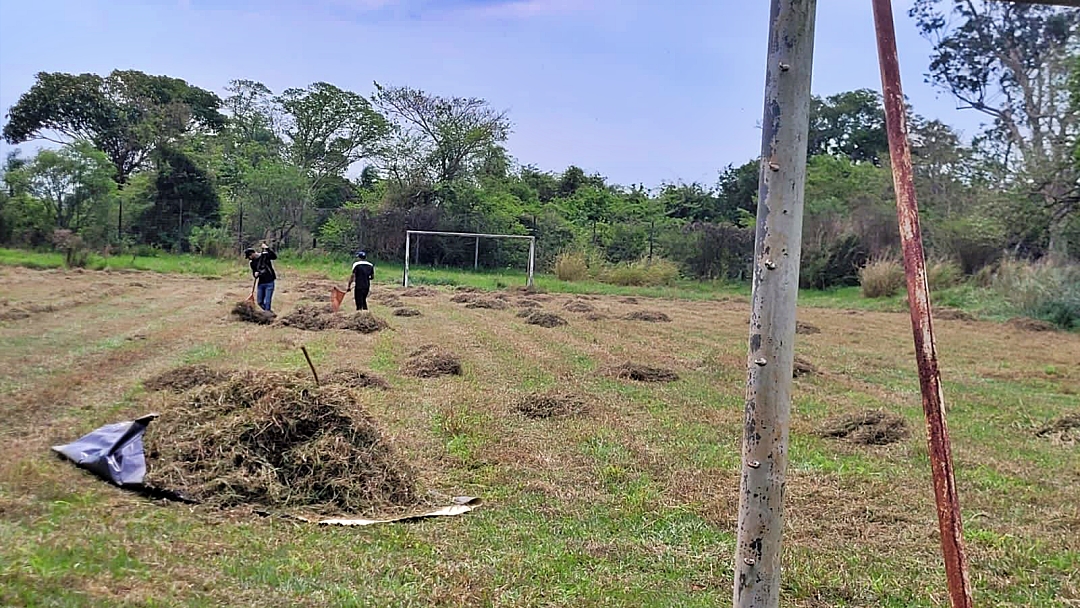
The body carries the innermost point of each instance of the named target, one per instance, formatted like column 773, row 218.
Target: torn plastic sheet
column 113, row 452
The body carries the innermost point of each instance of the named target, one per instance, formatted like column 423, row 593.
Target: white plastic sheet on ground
column 462, row 504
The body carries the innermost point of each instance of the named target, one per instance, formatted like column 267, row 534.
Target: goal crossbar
column 476, row 253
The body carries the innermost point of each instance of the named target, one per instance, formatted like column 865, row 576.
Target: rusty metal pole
column 907, row 213
column 777, row 249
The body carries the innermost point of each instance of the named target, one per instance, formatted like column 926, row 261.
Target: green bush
column 1043, row 290
column 881, row 278
column 835, row 265
column 571, row 267
column 645, row 272
column 943, row 274
column 212, row 241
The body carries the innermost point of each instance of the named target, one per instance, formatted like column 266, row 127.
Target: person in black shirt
column 263, row 270
column 363, row 272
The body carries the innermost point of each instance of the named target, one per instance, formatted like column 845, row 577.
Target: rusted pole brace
column 907, row 212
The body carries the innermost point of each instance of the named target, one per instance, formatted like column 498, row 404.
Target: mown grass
column 633, row 504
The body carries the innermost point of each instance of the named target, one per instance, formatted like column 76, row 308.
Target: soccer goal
column 476, row 251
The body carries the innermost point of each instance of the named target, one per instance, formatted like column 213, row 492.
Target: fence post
column 405, row 280
column 532, row 261
column 777, row 249
column 476, row 255
column 907, row 212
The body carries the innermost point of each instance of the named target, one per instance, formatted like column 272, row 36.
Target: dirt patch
column 650, row 316
column 272, row 440
column 544, row 319
column 406, row 312
column 803, row 367
column 954, row 314
column 644, row 373
column 579, row 306
column 250, row 312
column 353, row 378
column 1029, row 324
column 488, row 303
column 420, row 292
column 873, row 427
column 552, row 404
column 431, row 362
column 806, row 329
column 390, row 300
column 1063, row 430
column 182, row 379
column 629, row 300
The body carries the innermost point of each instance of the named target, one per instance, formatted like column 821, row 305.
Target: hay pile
column 802, row 367
column 1063, row 430
column 406, row 312
column 953, row 314
column 353, row 378
column 1029, row 324
column 644, row 373
column 528, row 304
column 464, row 297
column 596, row 316
column 389, row 299
column 543, row 319
column 867, row 428
column 319, row 318
column 488, row 303
column 250, row 312
column 629, row 300
column 420, row 292
column 275, row 441
column 650, row 316
column 182, row 379
column 431, row 362
column 552, row 404
column 579, row 306
column 806, row 329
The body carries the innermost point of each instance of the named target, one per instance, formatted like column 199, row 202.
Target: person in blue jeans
column 262, row 269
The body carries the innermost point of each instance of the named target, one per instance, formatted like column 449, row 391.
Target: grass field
column 630, row 504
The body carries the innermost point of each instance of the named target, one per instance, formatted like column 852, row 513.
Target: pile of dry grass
column 463, row 298
column 362, row 321
column 406, row 312
column 579, row 306
column 802, row 367
column 644, row 373
column 1065, row 429
column 551, row 404
column 275, row 441
column 431, row 362
column 629, row 300
column 181, row 379
column 953, row 314
column 806, row 329
column 543, row 319
column 528, row 304
column 388, row 299
column 596, row 316
column 354, row 378
column 250, row 312
column 1029, row 324
column 420, row 292
column 873, row 427
column 319, row 318
column 488, row 303
column 651, row 316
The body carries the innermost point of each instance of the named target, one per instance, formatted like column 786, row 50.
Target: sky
column 639, row 91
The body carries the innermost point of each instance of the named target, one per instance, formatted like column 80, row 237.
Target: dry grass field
column 599, row 488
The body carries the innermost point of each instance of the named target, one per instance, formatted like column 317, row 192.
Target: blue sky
column 638, row 91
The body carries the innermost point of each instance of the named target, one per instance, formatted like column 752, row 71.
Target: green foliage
column 571, row 267
column 943, row 274
column 1045, row 290
column 213, row 241
column 644, row 272
column 834, row 265
column 881, row 278
column 849, row 125
column 338, row 234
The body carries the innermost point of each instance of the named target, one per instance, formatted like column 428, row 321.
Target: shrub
column 75, row 253
column 1047, row 291
column 881, row 278
column 943, row 274
column 834, row 265
column 571, row 267
column 645, row 272
column 212, row 241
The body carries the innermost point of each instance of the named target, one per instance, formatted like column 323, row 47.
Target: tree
column 1011, row 62
column 276, row 198
column 126, row 115
column 328, row 129
column 850, row 124
column 74, row 185
column 737, row 189
column 183, row 197
column 447, row 136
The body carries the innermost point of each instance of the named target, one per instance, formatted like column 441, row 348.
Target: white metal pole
column 476, row 255
column 405, row 281
column 532, row 260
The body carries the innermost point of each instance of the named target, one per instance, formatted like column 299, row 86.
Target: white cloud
column 526, row 9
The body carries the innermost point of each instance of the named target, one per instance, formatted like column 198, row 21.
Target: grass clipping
column 276, row 441
column 431, row 362
column 318, row 318
column 182, row 379
column 247, row 311
column 868, row 428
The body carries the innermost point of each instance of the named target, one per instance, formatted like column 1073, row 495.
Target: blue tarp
column 113, row 452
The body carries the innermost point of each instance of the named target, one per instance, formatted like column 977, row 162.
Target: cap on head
column 248, row 252
column 362, row 255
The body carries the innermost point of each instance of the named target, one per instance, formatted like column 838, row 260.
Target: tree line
column 153, row 162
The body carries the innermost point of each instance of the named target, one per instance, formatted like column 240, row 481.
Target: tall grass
column 1042, row 290
column 571, row 266
column 644, row 272
column 881, row 278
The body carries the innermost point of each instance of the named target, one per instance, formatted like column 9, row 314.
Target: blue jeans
column 265, row 294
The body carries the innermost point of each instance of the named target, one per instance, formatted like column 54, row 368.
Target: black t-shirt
column 363, row 273
column 263, row 266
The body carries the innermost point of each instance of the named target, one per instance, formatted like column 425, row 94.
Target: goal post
column 476, row 251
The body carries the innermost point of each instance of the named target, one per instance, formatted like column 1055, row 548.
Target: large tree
column 1011, row 62
column 126, row 114
column 74, row 184
column 850, row 124
column 448, row 136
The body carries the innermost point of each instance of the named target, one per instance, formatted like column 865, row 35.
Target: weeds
column 881, row 278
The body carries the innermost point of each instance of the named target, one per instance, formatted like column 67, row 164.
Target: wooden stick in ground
column 310, row 364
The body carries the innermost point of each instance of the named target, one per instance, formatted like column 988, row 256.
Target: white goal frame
column 476, row 254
